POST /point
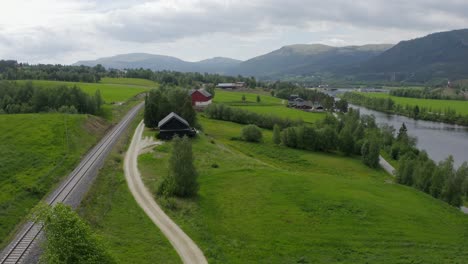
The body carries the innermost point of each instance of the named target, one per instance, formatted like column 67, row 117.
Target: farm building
column 235, row 85
column 173, row 125
column 200, row 98
column 295, row 101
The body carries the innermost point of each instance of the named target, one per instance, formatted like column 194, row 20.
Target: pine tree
column 258, row 99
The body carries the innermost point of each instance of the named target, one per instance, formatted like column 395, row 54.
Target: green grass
column 270, row 204
column 461, row 107
column 110, row 92
column 36, row 150
column 110, row 208
column 129, row 81
column 267, row 105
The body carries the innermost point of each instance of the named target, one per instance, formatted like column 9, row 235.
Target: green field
column 461, row 107
column 113, row 213
column 129, row 81
column 270, row 204
column 36, row 150
column 110, row 92
column 268, row 105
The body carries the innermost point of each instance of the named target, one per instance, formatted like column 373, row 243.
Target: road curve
column 23, row 248
column 185, row 247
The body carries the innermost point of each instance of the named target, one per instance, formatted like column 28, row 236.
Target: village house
column 236, row 85
column 200, row 98
column 173, row 125
column 295, row 101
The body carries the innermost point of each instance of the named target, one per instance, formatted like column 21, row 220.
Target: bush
column 69, row 238
column 252, row 133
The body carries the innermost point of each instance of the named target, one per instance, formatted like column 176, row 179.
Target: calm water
column 438, row 139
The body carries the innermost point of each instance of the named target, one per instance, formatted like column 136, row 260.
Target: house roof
column 226, row 84
column 169, row 117
column 202, row 91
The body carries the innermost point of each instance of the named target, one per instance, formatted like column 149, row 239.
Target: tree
column 182, row 177
column 258, row 99
column 68, row 238
column 342, row 105
column 251, row 133
column 346, row 140
column 243, row 98
column 402, row 133
column 371, row 152
column 452, row 190
column 276, row 134
column 211, row 89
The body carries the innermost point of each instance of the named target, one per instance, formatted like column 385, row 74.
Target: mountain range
column 438, row 55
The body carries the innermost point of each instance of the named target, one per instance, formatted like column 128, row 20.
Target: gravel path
column 185, row 247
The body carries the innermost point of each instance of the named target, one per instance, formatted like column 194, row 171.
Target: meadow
column 36, row 151
column 267, row 105
column 262, row 203
column 461, row 107
column 113, row 90
column 113, row 213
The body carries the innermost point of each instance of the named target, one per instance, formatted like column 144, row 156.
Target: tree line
column 387, row 105
column 28, row 98
column 12, row 70
column 427, row 93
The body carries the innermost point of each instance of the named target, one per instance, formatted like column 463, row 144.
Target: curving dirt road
column 185, row 247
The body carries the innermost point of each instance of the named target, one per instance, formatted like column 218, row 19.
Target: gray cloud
column 202, row 28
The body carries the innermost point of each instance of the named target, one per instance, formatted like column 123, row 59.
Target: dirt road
column 185, row 247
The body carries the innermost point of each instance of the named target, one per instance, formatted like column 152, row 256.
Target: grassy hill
column 270, row 204
column 36, row 150
column 267, row 105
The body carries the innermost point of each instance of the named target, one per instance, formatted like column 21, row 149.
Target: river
column 439, row 140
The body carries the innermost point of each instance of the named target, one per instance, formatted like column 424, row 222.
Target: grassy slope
column 461, row 107
column 267, row 105
column 112, row 211
column 36, row 150
column 269, row 204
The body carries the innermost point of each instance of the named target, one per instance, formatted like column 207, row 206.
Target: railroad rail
column 18, row 249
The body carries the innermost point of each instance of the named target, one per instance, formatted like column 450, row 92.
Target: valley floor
column 260, row 203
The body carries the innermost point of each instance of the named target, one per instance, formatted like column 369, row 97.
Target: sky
column 66, row 31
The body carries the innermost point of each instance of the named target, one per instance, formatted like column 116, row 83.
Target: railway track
column 19, row 248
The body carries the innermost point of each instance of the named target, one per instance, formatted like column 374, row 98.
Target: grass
column 129, row 81
column 36, row 151
column 267, row 105
column 461, row 107
column 270, row 204
column 114, row 214
column 110, row 92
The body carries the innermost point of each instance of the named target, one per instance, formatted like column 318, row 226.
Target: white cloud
column 63, row 31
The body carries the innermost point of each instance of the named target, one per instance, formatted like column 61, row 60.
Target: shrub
column 252, row 133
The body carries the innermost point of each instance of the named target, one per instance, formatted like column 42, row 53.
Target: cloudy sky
column 65, row 31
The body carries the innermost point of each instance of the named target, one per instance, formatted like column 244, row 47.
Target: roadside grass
column 264, row 203
column 36, row 151
column 110, row 208
column 111, row 93
column 268, row 105
column 129, row 81
column 461, row 107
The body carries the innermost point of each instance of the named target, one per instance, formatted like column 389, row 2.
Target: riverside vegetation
column 448, row 111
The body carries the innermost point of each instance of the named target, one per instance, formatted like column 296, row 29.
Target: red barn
column 200, row 98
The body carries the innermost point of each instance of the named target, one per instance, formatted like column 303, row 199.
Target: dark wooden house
column 173, row 125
